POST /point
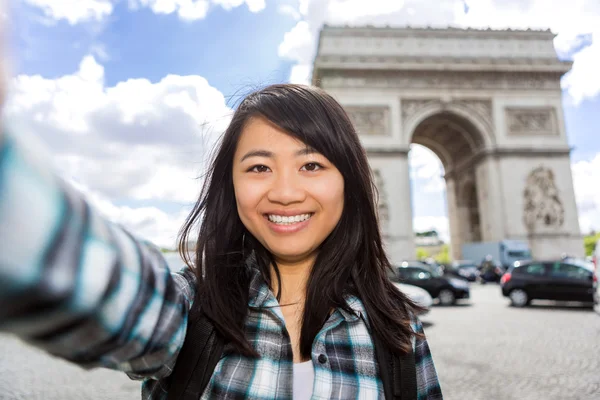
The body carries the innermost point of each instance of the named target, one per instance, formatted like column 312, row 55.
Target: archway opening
column 428, row 203
column 444, row 189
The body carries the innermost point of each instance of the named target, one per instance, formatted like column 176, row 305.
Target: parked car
column 464, row 269
column 446, row 289
column 416, row 294
column 565, row 280
column 429, row 264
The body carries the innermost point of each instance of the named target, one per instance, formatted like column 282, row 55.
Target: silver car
column 416, row 294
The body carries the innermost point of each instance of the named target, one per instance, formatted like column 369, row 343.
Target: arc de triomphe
column 487, row 103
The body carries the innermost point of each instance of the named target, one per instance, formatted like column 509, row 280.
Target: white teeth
column 280, row 219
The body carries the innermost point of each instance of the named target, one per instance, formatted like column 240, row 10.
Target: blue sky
column 105, row 62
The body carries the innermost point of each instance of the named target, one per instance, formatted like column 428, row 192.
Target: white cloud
column 74, row 11
column 297, row 44
column 253, row 5
column 191, row 10
column 137, row 140
column 585, row 176
column 287, row 9
column 567, row 18
column 583, row 81
column 426, row 168
column 78, row 11
column 301, row 74
column 185, row 9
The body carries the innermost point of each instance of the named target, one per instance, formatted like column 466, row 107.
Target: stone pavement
column 483, row 350
column 486, row 350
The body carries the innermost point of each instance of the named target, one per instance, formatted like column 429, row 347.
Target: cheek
column 331, row 196
column 247, row 197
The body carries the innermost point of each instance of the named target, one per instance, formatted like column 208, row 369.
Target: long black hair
column 351, row 260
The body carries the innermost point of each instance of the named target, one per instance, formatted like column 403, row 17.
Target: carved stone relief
column 542, row 203
column 531, row 121
column 411, row 107
column 370, row 121
column 383, row 208
column 482, row 108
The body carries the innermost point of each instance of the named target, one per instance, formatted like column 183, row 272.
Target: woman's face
column 288, row 196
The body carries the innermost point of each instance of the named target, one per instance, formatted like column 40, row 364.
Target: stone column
column 453, row 219
column 393, row 181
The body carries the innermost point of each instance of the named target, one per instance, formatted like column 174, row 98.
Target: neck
column 293, row 279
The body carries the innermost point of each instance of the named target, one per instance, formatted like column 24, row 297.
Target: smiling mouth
column 288, row 220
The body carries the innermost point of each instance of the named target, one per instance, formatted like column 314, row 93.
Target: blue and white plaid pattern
column 342, row 355
column 84, row 289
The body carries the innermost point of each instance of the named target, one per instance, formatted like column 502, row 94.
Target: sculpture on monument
column 542, row 200
column 382, row 202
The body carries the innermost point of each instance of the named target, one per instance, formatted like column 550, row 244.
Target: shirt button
column 322, row 358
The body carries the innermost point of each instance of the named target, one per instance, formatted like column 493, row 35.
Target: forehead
column 259, row 132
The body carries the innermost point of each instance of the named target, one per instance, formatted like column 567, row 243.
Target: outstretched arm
column 78, row 286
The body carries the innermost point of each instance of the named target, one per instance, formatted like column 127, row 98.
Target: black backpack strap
column 398, row 372
column 405, row 376
column 197, row 359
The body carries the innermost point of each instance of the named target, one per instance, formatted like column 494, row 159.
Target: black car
column 564, row 280
column 446, row 289
column 464, row 269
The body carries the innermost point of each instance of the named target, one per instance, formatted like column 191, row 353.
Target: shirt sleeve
column 78, row 286
column 428, row 385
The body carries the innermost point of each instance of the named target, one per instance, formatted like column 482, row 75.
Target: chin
column 291, row 255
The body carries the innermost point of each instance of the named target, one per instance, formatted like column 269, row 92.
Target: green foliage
column 427, row 233
column 422, row 253
column 590, row 243
column 443, row 257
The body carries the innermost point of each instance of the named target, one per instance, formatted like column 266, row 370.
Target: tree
column 443, row 257
column 422, row 253
column 590, row 243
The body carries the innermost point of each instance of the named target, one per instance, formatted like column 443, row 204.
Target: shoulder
column 186, row 282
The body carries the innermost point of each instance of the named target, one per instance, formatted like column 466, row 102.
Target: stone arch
column 475, row 113
column 455, row 138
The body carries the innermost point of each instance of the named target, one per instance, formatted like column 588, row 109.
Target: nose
column 287, row 188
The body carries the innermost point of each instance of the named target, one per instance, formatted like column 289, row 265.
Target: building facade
column 488, row 103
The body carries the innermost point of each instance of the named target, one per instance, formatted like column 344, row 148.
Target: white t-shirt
column 304, row 377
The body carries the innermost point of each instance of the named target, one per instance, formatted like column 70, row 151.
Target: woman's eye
column 259, row 169
column 312, row 167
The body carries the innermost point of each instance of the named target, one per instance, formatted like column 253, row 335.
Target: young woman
column 289, row 265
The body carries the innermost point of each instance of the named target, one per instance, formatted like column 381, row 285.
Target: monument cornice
column 438, row 80
column 435, row 32
column 403, row 63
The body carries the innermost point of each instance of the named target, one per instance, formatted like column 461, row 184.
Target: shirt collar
column 261, row 296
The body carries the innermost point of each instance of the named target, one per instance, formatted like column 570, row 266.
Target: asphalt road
column 483, row 349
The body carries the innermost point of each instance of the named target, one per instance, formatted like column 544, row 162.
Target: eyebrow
column 269, row 154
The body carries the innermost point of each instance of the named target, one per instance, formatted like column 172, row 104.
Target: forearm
column 77, row 285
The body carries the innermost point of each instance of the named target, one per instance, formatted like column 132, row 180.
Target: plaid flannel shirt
column 82, row 288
